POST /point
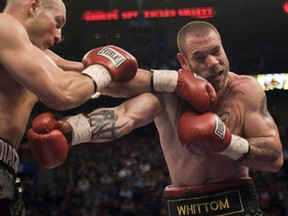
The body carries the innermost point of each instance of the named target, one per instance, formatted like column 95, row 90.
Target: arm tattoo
column 103, row 124
column 262, row 151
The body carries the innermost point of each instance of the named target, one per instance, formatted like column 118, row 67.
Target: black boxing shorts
column 236, row 197
column 11, row 203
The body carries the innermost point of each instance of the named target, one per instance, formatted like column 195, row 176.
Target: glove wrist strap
column 164, row 81
column 238, row 148
column 81, row 129
column 99, row 74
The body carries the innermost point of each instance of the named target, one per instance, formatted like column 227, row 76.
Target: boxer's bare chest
column 12, row 92
column 231, row 106
column 15, row 109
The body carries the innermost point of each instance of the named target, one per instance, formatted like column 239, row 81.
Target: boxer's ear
column 33, row 7
column 182, row 60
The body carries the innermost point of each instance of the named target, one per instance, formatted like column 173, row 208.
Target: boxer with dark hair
column 29, row 73
column 208, row 152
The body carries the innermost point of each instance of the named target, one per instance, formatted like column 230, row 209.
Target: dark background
column 255, row 38
column 245, row 26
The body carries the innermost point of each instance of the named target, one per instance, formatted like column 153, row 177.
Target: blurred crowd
column 123, row 178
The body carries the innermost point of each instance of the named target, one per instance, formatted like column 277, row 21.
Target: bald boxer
column 208, row 154
column 29, row 72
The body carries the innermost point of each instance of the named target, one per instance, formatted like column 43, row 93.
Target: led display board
column 117, row 14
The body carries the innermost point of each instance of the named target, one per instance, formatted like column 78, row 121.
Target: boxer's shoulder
column 242, row 83
column 8, row 22
column 243, row 79
column 245, row 91
column 11, row 32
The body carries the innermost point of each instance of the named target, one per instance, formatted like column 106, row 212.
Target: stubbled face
column 206, row 57
column 46, row 25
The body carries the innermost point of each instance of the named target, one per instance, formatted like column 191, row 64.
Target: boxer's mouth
column 216, row 78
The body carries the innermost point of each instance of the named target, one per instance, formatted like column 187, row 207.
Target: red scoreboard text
column 116, row 14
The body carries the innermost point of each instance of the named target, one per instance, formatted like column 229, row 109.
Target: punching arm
column 50, row 139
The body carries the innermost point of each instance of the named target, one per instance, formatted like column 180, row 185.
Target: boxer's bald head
column 11, row 5
column 42, row 19
column 53, row 4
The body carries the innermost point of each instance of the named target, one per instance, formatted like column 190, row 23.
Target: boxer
column 29, row 73
column 208, row 154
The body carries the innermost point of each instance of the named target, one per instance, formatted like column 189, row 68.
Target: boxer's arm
column 258, row 145
column 261, row 132
column 139, row 84
column 49, row 139
column 186, row 84
column 107, row 124
column 64, row 64
column 31, row 68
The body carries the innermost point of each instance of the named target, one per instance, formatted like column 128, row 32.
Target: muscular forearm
column 263, row 155
column 101, row 125
column 139, row 84
column 107, row 124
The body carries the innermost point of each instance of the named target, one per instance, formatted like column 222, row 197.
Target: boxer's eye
column 200, row 58
column 60, row 22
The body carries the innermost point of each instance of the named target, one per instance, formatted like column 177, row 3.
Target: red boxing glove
column 196, row 90
column 117, row 65
column 187, row 85
column 47, row 141
column 208, row 132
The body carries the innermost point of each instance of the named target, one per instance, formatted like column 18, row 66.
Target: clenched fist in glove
column 109, row 63
column 187, row 85
column 49, row 139
column 208, row 131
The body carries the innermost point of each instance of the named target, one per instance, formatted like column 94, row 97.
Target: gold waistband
column 179, row 191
